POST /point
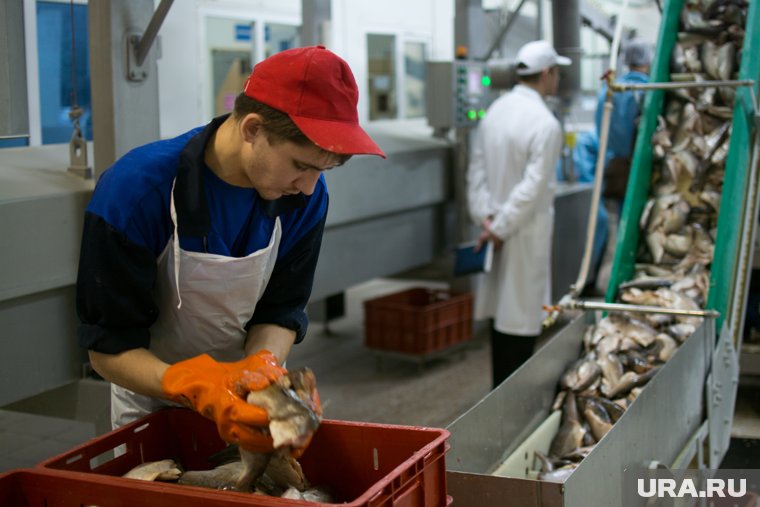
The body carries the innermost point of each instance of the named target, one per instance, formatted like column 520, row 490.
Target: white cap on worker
column 637, row 53
column 536, row 56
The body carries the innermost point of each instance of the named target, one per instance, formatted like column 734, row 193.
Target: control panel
column 472, row 85
column 457, row 93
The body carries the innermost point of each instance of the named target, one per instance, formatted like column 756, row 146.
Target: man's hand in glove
column 218, row 391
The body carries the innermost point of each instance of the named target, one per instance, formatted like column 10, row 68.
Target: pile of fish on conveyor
column 678, row 226
column 294, row 416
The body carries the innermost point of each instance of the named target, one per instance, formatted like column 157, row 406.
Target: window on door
column 381, row 76
column 231, row 44
column 279, row 37
column 414, row 82
column 64, row 73
column 235, row 45
column 395, row 79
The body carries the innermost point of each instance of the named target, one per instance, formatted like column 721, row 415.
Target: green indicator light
column 471, row 114
column 486, row 80
column 482, row 114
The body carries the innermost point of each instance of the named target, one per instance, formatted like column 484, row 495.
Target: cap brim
column 346, row 138
column 563, row 60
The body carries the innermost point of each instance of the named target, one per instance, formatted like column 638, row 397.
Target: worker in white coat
column 511, row 182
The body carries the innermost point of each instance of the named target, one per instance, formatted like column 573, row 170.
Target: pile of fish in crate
column 177, row 453
column 623, row 351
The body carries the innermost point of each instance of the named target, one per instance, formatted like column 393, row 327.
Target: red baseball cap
column 316, row 89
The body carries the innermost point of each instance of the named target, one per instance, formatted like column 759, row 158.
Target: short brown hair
column 277, row 125
column 529, row 78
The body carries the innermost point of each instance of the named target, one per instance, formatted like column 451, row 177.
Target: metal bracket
column 692, row 455
column 722, row 384
column 78, row 157
column 78, row 147
column 135, row 71
column 139, row 44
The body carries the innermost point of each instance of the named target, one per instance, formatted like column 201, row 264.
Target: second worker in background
column 511, row 182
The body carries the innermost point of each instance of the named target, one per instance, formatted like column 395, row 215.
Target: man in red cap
column 198, row 252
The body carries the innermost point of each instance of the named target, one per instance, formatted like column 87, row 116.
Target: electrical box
column 457, row 93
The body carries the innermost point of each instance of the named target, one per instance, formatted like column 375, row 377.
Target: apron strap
column 175, row 246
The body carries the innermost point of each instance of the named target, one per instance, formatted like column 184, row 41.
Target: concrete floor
column 353, row 384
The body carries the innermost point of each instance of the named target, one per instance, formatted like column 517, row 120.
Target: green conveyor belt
column 725, row 261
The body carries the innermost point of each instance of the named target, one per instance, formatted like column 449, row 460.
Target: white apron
column 204, row 302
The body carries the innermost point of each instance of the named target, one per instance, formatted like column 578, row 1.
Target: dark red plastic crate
column 418, row 321
column 53, row 488
column 363, row 464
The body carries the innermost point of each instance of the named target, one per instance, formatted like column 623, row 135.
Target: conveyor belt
column 682, row 412
column 734, row 196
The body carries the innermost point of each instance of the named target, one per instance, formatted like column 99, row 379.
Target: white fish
column 164, row 470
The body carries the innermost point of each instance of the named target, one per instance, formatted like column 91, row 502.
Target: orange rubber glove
column 218, row 391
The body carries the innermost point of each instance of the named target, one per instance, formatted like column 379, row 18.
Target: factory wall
column 184, row 75
column 184, row 82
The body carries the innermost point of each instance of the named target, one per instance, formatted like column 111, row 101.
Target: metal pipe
column 504, row 29
column 146, row 41
column 596, row 193
column 616, row 38
column 604, row 131
column 620, row 307
column 566, row 38
column 622, row 87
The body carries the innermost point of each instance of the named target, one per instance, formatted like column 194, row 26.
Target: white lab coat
column 512, row 178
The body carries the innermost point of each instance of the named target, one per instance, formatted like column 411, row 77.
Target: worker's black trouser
column 508, row 352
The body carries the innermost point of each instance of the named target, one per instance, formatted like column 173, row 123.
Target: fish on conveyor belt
column 677, row 231
column 669, row 346
column 647, row 282
column 596, row 415
column 628, row 381
column 681, row 331
column 615, row 410
column 570, row 434
column 558, row 474
column 630, row 327
column 581, row 375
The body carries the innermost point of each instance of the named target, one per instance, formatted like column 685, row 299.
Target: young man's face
column 283, row 168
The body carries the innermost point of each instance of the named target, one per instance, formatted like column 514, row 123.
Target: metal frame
column 721, row 387
column 664, row 425
column 123, row 111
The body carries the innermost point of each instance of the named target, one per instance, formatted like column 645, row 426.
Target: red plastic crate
column 418, row 321
column 363, row 464
column 53, row 488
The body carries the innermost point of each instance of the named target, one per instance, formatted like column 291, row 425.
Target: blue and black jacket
column 127, row 225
